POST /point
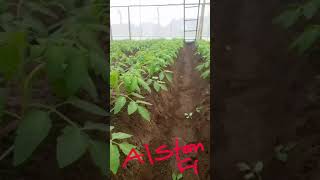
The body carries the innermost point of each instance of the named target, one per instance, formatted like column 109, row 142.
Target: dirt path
column 187, row 92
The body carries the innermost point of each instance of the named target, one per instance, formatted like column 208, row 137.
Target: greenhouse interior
column 160, row 89
column 142, row 19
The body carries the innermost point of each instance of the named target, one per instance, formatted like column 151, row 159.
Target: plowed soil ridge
column 187, row 92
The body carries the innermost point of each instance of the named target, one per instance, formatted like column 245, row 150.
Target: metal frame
column 196, row 35
column 185, row 5
column 146, row 5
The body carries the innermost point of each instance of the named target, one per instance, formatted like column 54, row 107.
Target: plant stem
column 62, row 116
column 26, row 85
column 12, row 114
column 126, row 96
column 115, row 143
column 6, row 153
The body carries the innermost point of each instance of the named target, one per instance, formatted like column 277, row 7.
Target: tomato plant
column 203, row 49
column 53, row 44
column 138, row 67
column 114, row 148
column 305, row 13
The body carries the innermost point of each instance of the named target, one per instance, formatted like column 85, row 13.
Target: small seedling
column 251, row 172
column 283, row 150
column 188, row 115
column 198, row 109
column 176, row 176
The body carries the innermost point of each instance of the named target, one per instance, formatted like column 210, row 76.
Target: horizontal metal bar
column 191, row 19
column 146, row 5
column 156, row 36
column 191, row 30
column 191, row 6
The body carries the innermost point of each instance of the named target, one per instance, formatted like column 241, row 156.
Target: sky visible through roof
column 164, row 16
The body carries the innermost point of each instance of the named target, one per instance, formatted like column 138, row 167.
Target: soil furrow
column 185, row 93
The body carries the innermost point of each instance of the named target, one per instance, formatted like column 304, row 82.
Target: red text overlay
column 165, row 153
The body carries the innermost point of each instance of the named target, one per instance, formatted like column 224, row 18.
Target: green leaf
column 243, row 167
column 163, row 87
column 87, row 106
column 55, row 62
column 36, row 51
column 288, row 18
column 36, row 7
column 306, row 39
column 174, row 176
column 258, row 167
column 32, row 130
column 120, row 135
column 249, row 176
column 12, row 54
column 76, row 70
column 144, row 85
column 144, row 113
column 283, row 157
column 134, row 84
column 120, row 102
column 310, row 9
column 179, row 176
column 161, row 76
column 169, row 76
column 99, row 154
column 71, row 145
column 126, row 147
column 90, row 87
column 114, row 158
column 114, row 79
column 132, row 107
column 111, row 128
column 205, row 74
column 96, row 126
column 156, row 86
column 99, row 63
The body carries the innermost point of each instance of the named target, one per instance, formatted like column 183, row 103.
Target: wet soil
column 187, row 92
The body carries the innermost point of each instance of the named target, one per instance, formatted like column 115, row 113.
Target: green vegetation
column 251, row 171
column 138, row 67
column 305, row 13
column 114, row 149
column 203, row 49
column 57, row 42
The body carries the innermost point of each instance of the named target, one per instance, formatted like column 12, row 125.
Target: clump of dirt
column 185, row 94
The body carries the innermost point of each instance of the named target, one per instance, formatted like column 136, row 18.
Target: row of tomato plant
column 56, row 42
column 137, row 68
column 203, row 49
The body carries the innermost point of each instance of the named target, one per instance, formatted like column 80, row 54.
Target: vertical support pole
column 184, row 20
column 196, row 35
column 129, row 22
column 111, row 32
column 158, row 16
column 202, row 19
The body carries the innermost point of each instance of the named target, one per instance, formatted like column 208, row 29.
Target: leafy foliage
column 58, row 40
column 251, row 171
column 137, row 67
column 303, row 13
column 176, row 176
column 203, row 48
column 116, row 146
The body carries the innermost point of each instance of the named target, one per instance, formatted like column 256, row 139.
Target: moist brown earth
column 187, row 92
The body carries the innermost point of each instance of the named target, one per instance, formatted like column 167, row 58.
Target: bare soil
column 187, row 92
